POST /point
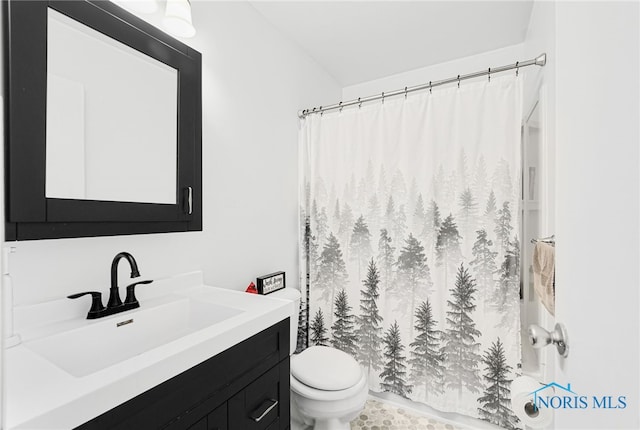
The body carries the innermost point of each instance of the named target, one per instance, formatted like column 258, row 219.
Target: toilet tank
column 292, row 295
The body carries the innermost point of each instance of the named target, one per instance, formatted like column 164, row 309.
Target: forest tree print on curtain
column 409, row 243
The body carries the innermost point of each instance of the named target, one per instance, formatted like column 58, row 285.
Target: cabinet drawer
column 262, row 404
column 200, row 425
column 217, row 420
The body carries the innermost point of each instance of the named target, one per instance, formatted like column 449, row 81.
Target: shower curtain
column 409, row 243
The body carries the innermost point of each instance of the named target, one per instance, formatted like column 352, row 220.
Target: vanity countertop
column 41, row 395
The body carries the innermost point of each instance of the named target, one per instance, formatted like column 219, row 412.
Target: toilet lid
column 325, row 368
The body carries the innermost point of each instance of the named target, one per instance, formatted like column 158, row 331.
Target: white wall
column 254, row 82
column 597, row 215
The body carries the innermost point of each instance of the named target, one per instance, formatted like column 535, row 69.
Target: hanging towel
column 544, row 268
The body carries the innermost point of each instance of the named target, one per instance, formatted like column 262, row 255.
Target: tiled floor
column 384, row 416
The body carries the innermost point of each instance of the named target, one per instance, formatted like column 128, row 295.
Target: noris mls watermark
column 555, row 396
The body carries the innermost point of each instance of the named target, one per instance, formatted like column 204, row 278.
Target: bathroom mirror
column 103, row 120
column 111, row 118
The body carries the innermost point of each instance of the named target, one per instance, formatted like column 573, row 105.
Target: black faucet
column 114, row 294
column 115, row 305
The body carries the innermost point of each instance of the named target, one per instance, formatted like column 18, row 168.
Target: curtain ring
column 517, row 68
column 321, row 111
column 405, row 93
column 383, row 97
column 430, row 88
column 359, row 103
column 489, row 74
column 340, row 104
column 458, row 81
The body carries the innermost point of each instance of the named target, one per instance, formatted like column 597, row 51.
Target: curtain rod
column 540, row 60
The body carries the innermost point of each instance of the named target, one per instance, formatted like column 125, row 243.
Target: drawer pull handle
column 263, row 409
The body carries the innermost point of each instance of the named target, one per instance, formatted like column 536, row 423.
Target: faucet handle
column 131, row 293
column 96, row 303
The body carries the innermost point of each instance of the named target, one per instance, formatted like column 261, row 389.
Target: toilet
column 328, row 387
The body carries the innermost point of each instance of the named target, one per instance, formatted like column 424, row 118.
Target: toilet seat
column 325, row 368
column 325, row 395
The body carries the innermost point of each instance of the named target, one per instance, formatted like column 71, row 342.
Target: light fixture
column 177, row 18
column 140, row 6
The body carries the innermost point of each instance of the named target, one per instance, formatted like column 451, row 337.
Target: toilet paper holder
column 539, row 338
column 531, row 409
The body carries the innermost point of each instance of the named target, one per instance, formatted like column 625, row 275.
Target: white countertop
column 40, row 395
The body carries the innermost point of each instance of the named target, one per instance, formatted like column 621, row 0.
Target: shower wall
column 539, row 174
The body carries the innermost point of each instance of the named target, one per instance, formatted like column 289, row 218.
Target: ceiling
column 358, row 41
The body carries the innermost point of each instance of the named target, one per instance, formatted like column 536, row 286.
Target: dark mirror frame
column 29, row 213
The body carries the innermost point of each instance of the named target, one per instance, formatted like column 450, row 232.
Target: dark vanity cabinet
column 103, row 122
column 245, row 387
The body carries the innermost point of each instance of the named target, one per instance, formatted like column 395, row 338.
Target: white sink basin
column 103, row 343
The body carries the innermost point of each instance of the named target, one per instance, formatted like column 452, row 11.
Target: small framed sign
column 269, row 283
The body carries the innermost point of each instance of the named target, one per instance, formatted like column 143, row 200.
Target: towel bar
column 550, row 240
